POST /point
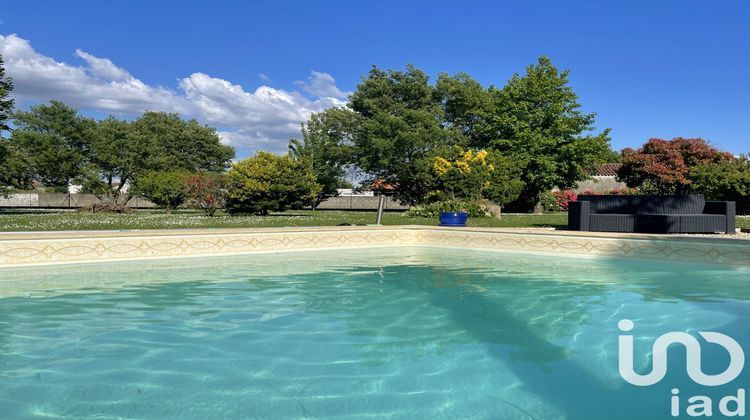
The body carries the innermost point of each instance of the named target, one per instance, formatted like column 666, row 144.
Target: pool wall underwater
column 44, row 248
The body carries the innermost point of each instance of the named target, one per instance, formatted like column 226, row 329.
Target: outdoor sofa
column 651, row 214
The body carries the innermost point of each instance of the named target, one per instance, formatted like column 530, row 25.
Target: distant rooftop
column 607, row 169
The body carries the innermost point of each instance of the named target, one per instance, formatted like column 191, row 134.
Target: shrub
column 617, row 191
column 472, row 208
column 268, row 182
column 548, row 202
column 474, row 175
column 166, row 189
column 206, row 191
column 559, row 201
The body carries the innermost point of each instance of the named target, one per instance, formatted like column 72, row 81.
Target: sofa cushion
column 671, row 204
column 610, row 204
column 612, row 222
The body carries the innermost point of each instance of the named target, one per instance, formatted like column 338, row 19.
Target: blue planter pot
column 451, row 218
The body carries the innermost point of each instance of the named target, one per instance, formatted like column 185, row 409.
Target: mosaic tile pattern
column 718, row 251
column 60, row 249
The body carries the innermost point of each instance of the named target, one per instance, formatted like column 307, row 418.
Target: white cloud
column 323, row 85
column 104, row 68
column 262, row 119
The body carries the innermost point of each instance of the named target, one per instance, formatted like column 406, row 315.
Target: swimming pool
column 406, row 332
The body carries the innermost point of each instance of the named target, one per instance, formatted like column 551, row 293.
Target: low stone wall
column 63, row 201
column 74, row 201
column 20, row 200
column 600, row 184
column 359, row 203
column 85, row 200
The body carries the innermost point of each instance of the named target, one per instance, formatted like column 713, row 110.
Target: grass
column 182, row 220
column 41, row 221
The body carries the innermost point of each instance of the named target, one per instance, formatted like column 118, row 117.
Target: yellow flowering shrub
column 476, row 174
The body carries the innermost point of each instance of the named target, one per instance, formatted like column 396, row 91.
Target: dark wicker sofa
column 651, row 214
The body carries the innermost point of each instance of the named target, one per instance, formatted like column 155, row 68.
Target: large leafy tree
column 164, row 141
column 113, row 159
column 268, row 182
column 61, row 146
column 55, row 141
column 6, row 102
column 326, row 148
column 157, row 142
column 6, row 108
column 537, row 120
column 15, row 170
column 728, row 179
column 662, row 166
column 467, row 108
column 400, row 124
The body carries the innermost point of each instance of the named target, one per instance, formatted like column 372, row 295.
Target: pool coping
column 71, row 247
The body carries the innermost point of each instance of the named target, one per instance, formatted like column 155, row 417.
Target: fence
column 76, row 201
column 63, row 201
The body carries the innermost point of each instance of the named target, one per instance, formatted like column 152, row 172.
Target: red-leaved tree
column 206, row 190
column 661, row 166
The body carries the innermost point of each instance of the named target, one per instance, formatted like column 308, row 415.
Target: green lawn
column 151, row 220
column 181, row 220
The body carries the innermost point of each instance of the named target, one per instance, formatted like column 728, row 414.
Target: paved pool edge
column 45, row 248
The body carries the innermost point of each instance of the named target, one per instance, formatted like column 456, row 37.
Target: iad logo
column 700, row 405
column 693, row 349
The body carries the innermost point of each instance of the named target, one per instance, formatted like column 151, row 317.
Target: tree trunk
column 538, row 207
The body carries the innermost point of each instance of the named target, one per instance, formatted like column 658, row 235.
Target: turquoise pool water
column 410, row 333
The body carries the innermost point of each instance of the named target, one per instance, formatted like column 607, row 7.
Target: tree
column 166, row 189
column 536, row 119
column 662, row 166
column 6, row 152
column 6, row 102
column 467, row 106
column 726, row 180
column 268, row 182
column 399, row 125
column 113, row 160
column 326, row 148
column 164, row 141
column 402, row 122
column 121, row 152
column 156, row 142
column 15, row 171
column 113, row 156
column 608, row 155
column 505, row 184
column 206, row 190
column 55, row 141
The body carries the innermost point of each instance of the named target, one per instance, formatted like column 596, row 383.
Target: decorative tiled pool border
column 81, row 247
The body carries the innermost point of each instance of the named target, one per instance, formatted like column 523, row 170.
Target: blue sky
column 256, row 69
